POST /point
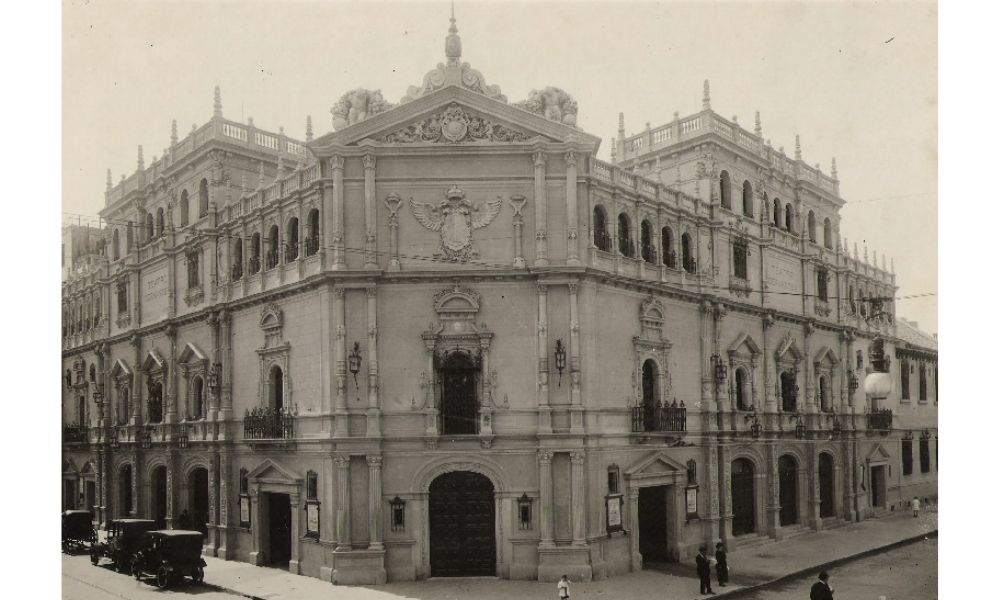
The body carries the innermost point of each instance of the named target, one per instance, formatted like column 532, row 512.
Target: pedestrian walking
column 915, row 506
column 721, row 565
column 704, row 571
column 821, row 590
column 563, row 588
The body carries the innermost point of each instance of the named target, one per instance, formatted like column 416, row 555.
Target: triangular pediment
column 878, row 454
column 271, row 470
column 744, row 344
column 656, row 464
column 455, row 116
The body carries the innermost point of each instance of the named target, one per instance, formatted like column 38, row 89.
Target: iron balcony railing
column 880, row 419
column 254, row 265
column 664, row 417
column 265, row 423
column 271, row 259
column 670, row 259
column 603, row 241
column 312, row 245
column 291, row 251
column 74, row 434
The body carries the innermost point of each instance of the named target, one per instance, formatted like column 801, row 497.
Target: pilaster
column 371, row 224
column 373, row 413
column 542, row 330
column 545, row 500
column 572, row 215
column 541, row 207
column 375, row 503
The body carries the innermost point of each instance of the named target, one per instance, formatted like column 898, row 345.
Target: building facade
column 318, row 350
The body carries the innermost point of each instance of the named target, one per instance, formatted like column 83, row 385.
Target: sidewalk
column 751, row 566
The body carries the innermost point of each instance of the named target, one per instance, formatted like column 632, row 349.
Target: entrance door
column 458, row 395
column 462, row 525
column 743, row 497
column 159, row 497
column 788, row 486
column 653, row 524
column 825, row 485
column 199, row 499
column 125, row 491
column 878, row 487
column 279, row 529
column 69, row 494
column 90, row 495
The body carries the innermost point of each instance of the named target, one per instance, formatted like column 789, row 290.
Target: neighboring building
column 319, row 348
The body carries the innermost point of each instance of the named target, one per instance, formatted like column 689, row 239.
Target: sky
column 856, row 80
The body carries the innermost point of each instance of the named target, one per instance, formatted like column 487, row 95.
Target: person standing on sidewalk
column 821, row 590
column 915, row 506
column 563, row 588
column 721, row 566
column 704, row 571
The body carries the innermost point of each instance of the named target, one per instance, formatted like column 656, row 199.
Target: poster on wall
column 312, row 519
column 691, row 500
column 613, row 506
column 245, row 511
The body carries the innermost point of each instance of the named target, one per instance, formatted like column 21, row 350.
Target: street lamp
column 354, row 362
column 560, row 359
column 800, row 427
column 720, row 368
column 852, row 382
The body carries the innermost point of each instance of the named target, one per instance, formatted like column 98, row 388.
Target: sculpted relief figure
column 455, row 218
column 356, row 106
column 552, row 103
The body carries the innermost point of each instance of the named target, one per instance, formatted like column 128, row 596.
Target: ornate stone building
column 320, row 349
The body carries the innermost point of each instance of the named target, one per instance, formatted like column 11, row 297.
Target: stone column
column 371, row 224
column 726, row 524
column 545, row 499
column 812, row 419
column 137, row 395
column 333, row 225
column 544, row 410
column 572, row 215
column 373, row 413
column 812, row 477
column 393, row 202
column 517, row 203
column 579, row 500
column 213, row 470
column 222, row 534
column 256, row 524
column 576, row 401
column 770, row 402
column 170, row 490
column 226, row 358
column 340, row 415
column 102, row 487
column 343, row 466
column 294, row 561
column 706, row 315
column 170, row 378
column 375, row 503
column 541, row 206
column 633, row 528
column 213, row 393
column 133, row 511
column 773, row 497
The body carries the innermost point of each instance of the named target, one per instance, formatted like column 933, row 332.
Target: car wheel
column 93, row 558
column 120, row 565
column 198, row 575
column 162, row 577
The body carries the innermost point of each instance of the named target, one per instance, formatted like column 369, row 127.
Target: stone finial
column 173, row 132
column 621, row 124
column 706, row 100
column 614, row 152
column 140, row 164
column 194, row 127
column 260, row 176
column 309, row 128
column 736, row 120
column 798, row 148
column 756, row 124
column 217, row 106
column 883, row 262
column 107, row 184
column 281, row 130
column 833, row 167
column 250, row 122
column 677, row 115
column 866, row 251
column 453, row 43
column 855, row 251
column 892, row 266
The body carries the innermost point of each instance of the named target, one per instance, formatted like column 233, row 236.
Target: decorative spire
column 453, row 43
column 140, row 164
column 866, row 250
column 883, row 262
column 736, row 120
column 706, row 100
column 614, row 153
column 260, row 177
column 798, row 148
column 309, row 128
column 833, row 167
column 107, row 184
column 892, row 266
column 756, row 124
column 621, row 124
column 173, row 132
column 218, row 103
column 855, row 251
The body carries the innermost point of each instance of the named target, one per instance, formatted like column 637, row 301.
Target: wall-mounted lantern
column 560, row 359
column 354, row 362
column 182, row 437
column 397, row 508
column 755, row 426
column 147, row 438
column 721, row 371
column 800, row 427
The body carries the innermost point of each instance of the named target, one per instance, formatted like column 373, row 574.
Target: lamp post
column 560, row 359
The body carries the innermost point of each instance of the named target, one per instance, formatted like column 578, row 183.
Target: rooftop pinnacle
column 453, row 43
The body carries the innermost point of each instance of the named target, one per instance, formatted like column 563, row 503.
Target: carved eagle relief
column 455, row 218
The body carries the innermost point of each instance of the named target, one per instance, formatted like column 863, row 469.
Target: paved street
column 83, row 581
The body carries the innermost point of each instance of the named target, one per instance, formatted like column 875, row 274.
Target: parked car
column 170, row 555
column 77, row 530
column 123, row 540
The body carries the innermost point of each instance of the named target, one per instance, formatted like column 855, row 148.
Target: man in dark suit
column 704, row 571
column 821, row 590
column 721, row 565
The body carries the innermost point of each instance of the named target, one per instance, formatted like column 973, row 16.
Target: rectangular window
column 312, row 486
column 925, row 456
column 907, row 457
column 904, row 379
column 613, row 479
column 740, row 260
column 923, row 383
column 192, row 269
column 122, row 298
column 821, row 290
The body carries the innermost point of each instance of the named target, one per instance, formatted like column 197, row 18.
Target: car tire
column 136, row 569
column 162, row 577
column 198, row 575
column 93, row 558
column 120, row 565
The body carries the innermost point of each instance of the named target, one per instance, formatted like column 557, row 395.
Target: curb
column 219, row 588
column 828, row 565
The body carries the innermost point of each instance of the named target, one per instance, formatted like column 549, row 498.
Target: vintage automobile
column 77, row 530
column 123, row 540
column 170, row 555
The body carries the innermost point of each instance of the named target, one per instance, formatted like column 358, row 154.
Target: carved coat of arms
column 455, row 218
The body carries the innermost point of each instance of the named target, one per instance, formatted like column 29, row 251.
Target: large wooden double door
column 462, row 525
column 743, row 497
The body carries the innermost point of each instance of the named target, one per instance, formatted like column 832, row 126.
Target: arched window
column 255, row 253
column 115, row 249
column 904, row 378
column 459, row 374
column 776, row 212
column 743, row 394
column 159, row 221
column 923, row 382
column 129, row 243
column 625, row 246
column 650, row 394
column 155, row 401
column 292, row 240
column 312, row 242
column 237, row 259
column 687, row 254
column 821, row 284
column 123, row 405
column 97, row 310
column 602, row 239
column 646, row 241
column 272, row 247
column 825, row 397
column 276, row 387
column 203, row 198
column 827, row 234
column 741, row 251
column 789, row 218
column 150, row 233
column 811, row 221
column 184, row 208
column 197, row 398
column 789, row 391
column 667, row 241
column 850, row 298
column 93, row 373
column 725, row 190
column 747, row 198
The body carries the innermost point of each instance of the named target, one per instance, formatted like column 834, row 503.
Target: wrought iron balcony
column 254, row 266
column 670, row 259
column 271, row 259
column 880, row 419
column 603, row 241
column 664, row 417
column 291, row 251
column 312, row 245
column 265, row 423
column 75, row 434
column 649, row 253
column 237, row 271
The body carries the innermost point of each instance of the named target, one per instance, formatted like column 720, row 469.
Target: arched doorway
column 198, row 488
column 458, row 374
column 743, row 497
column 649, row 394
column 462, row 525
column 825, row 485
column 788, row 486
column 125, row 491
column 158, row 496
